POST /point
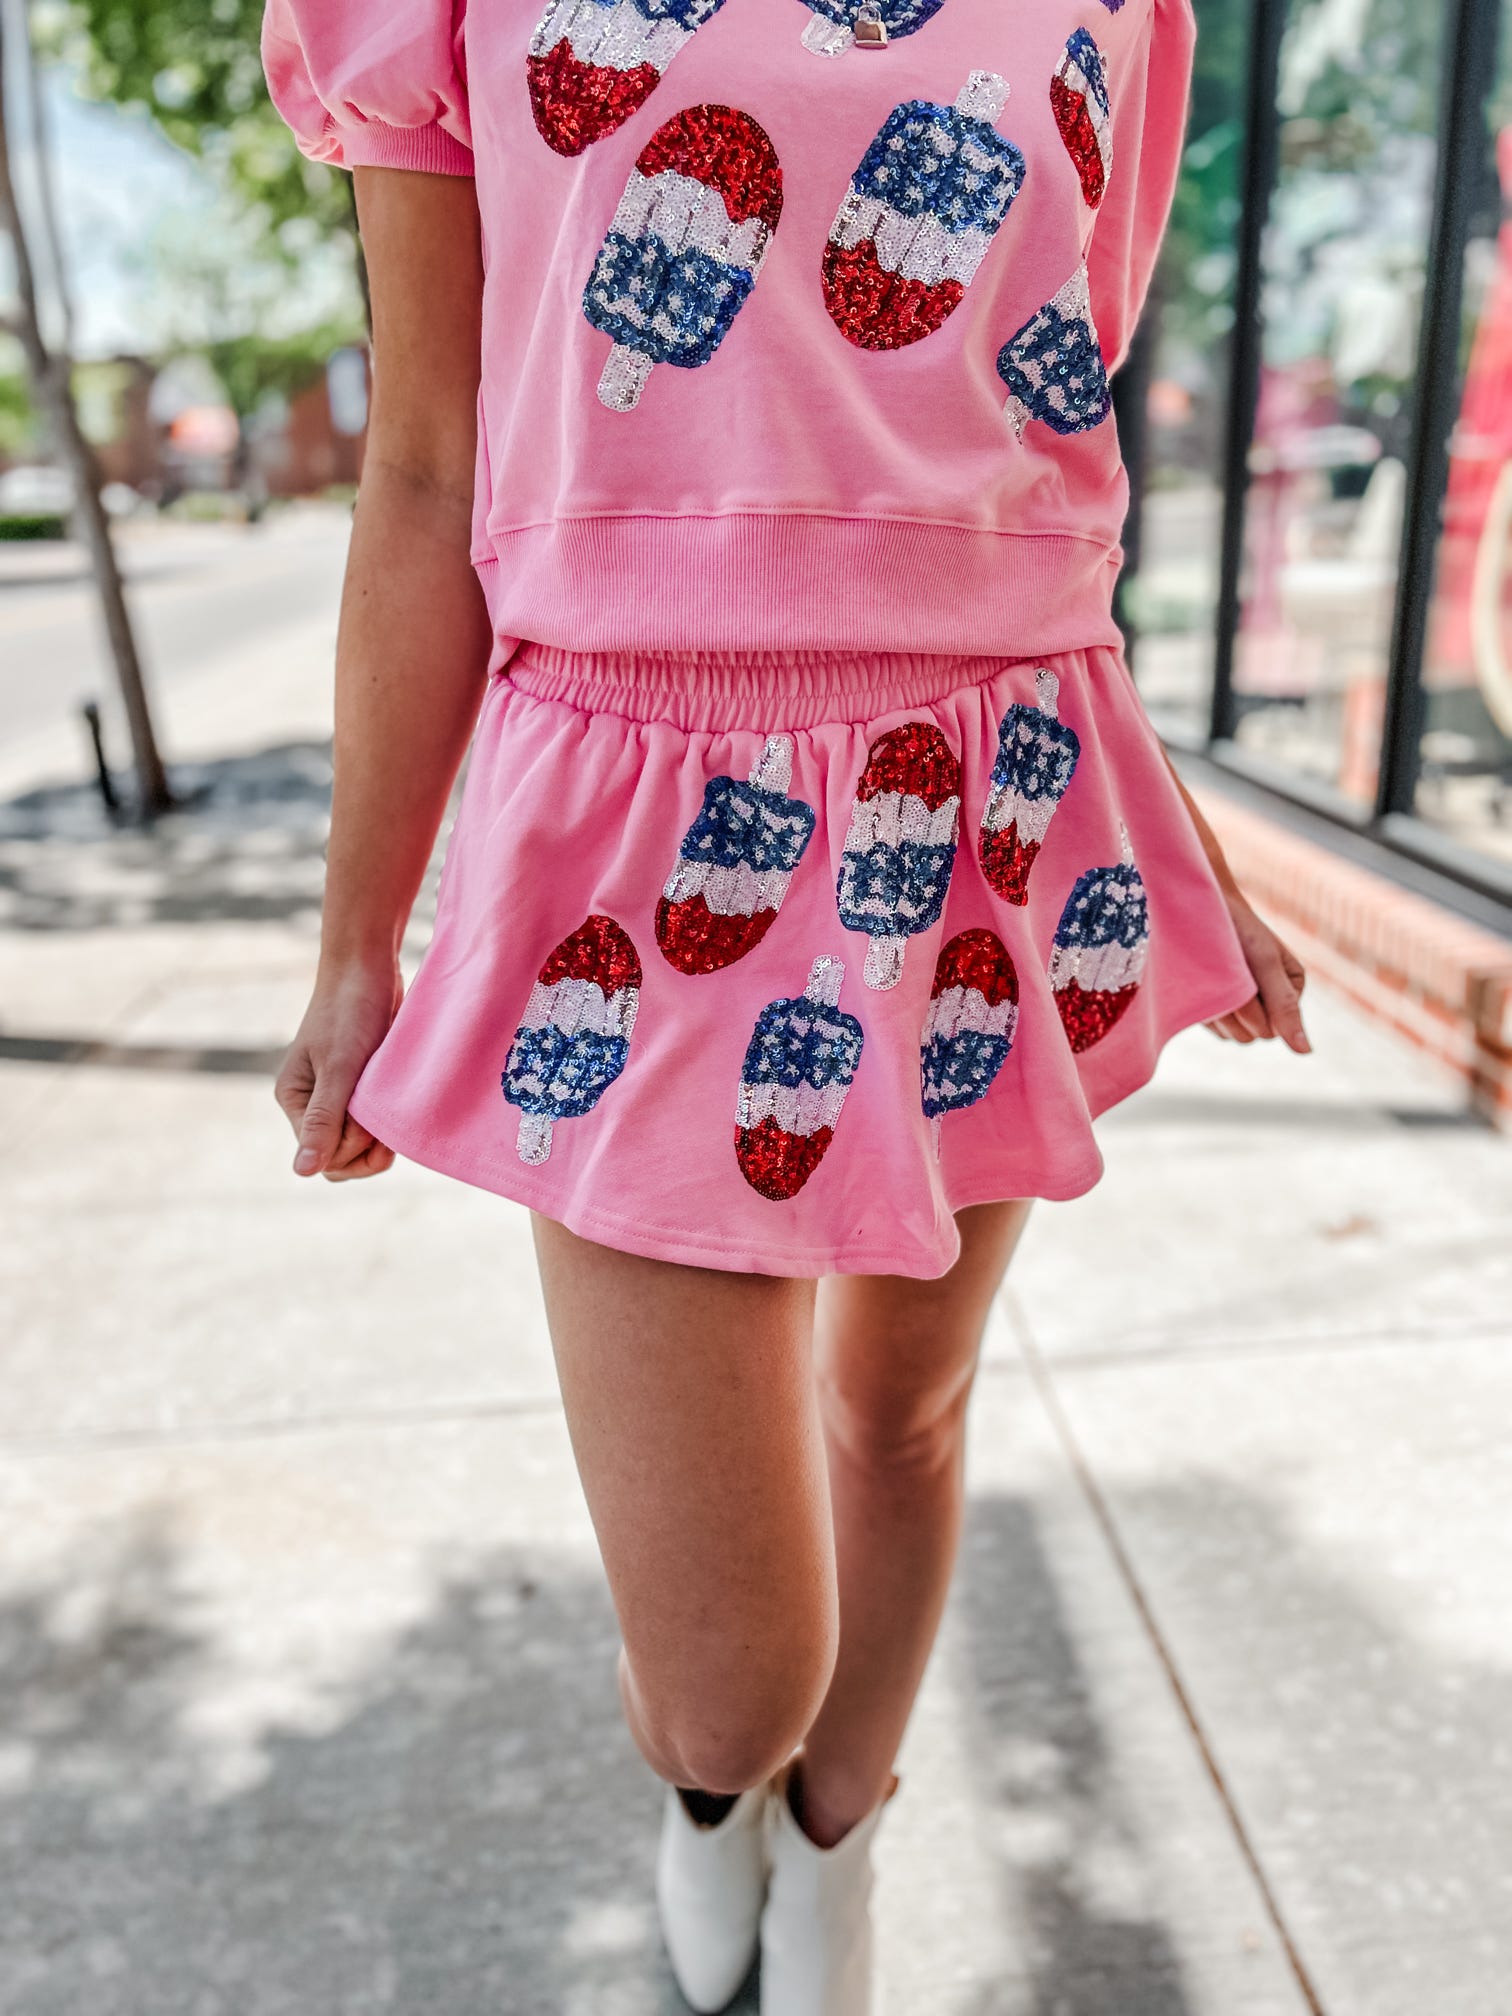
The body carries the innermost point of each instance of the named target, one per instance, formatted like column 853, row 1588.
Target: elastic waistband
column 727, row 690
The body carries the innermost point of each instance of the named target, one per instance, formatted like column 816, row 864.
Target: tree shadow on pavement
column 462, row 1828
column 467, row 1830
column 1045, row 1772
column 248, row 847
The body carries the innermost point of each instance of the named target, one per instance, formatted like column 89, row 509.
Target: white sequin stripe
column 686, row 213
column 736, row 891
column 893, row 817
column 1076, row 79
column 915, row 248
column 616, row 38
column 958, row 1008
column 573, row 1005
column 797, row 1109
column 1005, row 807
column 1104, row 968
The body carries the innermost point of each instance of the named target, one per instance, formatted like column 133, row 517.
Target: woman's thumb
column 320, row 1130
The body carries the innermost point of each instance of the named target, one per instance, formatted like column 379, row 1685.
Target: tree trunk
column 52, row 385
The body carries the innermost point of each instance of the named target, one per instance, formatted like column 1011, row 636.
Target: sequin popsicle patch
column 734, row 866
column 1083, row 114
column 1037, row 755
column 971, row 1024
column 832, row 30
column 1101, row 947
column 800, row 1064
column 900, row 846
column 685, row 246
column 930, row 194
column 1054, row 368
column 592, row 63
column 574, row 1037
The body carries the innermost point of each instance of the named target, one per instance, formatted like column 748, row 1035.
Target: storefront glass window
column 1465, row 780
column 1344, row 262
column 1171, row 596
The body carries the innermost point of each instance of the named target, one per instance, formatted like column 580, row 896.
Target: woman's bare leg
column 690, row 1401
column 896, row 1360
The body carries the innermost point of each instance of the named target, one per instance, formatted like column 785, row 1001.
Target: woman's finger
column 294, row 1084
column 324, row 1118
column 373, row 1161
column 354, row 1144
column 1252, row 1016
column 1281, row 981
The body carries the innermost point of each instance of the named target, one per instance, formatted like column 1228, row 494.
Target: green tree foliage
column 194, row 66
column 18, row 422
column 250, row 367
column 1197, row 264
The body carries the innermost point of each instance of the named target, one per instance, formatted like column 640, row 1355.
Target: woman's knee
column 727, row 1723
column 905, row 1424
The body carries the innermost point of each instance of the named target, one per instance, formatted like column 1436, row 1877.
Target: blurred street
column 307, row 1702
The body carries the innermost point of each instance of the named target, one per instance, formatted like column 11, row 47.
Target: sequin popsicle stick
column 832, row 29
column 592, row 63
column 1084, row 114
column 734, row 866
column 800, row 1064
column 1036, row 759
column 930, row 194
column 971, row 1024
column 574, row 1037
column 901, row 844
column 684, row 247
column 1101, row 947
column 1054, row 368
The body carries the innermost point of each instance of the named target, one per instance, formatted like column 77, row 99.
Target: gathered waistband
column 726, row 690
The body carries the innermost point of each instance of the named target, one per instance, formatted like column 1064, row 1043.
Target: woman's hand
column 348, row 1017
column 412, row 649
column 1276, row 1008
column 1280, row 977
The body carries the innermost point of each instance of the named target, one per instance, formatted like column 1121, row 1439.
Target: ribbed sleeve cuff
column 430, row 149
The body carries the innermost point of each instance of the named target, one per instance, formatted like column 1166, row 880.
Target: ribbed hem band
column 785, row 582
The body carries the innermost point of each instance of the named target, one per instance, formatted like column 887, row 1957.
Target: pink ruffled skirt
column 775, row 963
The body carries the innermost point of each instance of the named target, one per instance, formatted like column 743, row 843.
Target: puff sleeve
column 1149, row 138
column 371, row 83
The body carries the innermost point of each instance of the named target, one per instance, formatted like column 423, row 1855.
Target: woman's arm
column 412, row 648
column 1279, row 974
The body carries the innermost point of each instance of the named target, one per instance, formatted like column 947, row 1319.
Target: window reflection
column 1465, row 783
column 1172, row 599
column 1343, row 281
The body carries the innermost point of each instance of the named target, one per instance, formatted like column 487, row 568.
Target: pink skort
column 773, row 964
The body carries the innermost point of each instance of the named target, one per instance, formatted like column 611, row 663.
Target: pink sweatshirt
column 798, row 313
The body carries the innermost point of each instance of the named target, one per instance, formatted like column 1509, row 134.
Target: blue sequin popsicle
column 684, row 247
column 900, row 846
column 574, row 1037
column 800, row 1064
column 592, row 63
column 1054, row 368
column 930, row 194
column 1101, row 946
column 1036, row 759
column 971, row 1024
column 734, row 865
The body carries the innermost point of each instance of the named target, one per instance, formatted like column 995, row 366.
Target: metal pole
column 1262, row 142
column 1469, row 71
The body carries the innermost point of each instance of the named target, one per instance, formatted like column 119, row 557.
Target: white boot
column 816, row 1930
column 710, row 1883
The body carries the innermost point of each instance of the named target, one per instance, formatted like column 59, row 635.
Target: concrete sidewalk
column 306, row 1665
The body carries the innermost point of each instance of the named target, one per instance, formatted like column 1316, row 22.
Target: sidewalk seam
column 1123, row 1563
column 88, row 1442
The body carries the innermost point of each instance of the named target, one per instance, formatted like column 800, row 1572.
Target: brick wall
column 1442, row 983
